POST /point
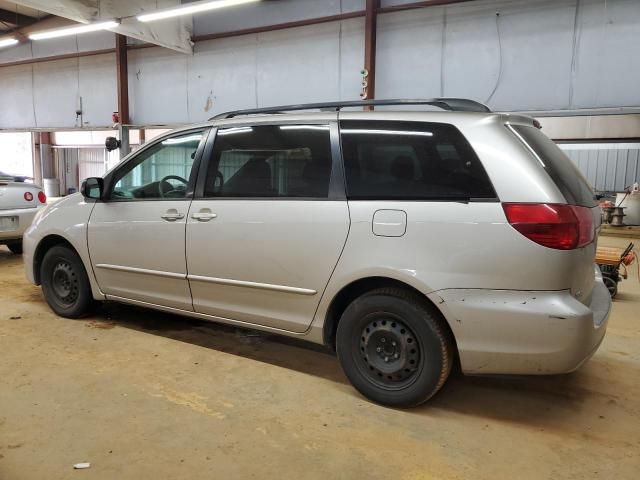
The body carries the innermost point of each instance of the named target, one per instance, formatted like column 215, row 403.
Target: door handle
column 172, row 216
column 203, row 216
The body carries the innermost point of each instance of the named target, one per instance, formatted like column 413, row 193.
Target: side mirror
column 111, row 143
column 92, row 188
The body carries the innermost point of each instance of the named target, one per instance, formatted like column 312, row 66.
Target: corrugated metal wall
column 75, row 164
column 608, row 166
column 536, row 55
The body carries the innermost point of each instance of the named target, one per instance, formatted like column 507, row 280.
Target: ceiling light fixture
column 64, row 32
column 7, row 42
column 191, row 8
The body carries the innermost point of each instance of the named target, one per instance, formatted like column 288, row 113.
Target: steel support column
column 370, row 35
column 122, row 68
column 47, row 168
column 35, row 158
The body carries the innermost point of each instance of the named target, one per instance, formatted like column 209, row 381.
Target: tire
column 65, row 283
column 394, row 348
column 611, row 285
column 15, row 247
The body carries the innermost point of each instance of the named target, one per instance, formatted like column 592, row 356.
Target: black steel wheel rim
column 389, row 353
column 64, row 283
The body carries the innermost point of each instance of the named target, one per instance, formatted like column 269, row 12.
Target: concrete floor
column 144, row 395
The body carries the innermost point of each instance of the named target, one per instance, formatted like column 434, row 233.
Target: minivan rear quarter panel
column 451, row 247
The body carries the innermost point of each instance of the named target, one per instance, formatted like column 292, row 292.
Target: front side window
column 270, row 161
column 391, row 160
column 160, row 171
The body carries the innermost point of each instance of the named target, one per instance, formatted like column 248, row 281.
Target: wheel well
column 352, row 291
column 43, row 247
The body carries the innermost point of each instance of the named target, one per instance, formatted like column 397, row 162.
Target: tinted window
column 569, row 180
column 270, row 161
column 160, row 171
column 410, row 161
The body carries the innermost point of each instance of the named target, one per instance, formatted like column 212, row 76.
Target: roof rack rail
column 450, row 104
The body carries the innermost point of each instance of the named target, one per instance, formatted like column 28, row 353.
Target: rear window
column 410, row 161
column 270, row 161
column 564, row 173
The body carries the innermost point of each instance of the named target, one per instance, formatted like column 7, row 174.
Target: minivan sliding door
column 268, row 224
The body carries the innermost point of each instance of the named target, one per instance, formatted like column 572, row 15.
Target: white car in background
column 19, row 203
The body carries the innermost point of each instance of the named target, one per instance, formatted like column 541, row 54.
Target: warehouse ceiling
column 174, row 33
column 13, row 16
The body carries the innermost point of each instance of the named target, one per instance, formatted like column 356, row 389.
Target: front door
column 267, row 226
column 137, row 233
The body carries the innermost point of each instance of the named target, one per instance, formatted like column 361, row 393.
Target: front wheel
column 65, row 283
column 394, row 348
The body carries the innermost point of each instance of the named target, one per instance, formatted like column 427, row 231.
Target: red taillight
column 42, row 198
column 563, row 227
column 587, row 227
column 28, row 196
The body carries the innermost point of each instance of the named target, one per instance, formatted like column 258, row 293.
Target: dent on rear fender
column 483, row 301
column 506, row 331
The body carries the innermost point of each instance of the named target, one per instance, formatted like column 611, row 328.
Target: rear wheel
column 65, row 283
column 15, row 247
column 394, row 348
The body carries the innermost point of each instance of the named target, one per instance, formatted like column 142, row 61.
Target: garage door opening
column 16, row 154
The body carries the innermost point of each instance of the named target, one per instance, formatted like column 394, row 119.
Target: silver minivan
column 408, row 241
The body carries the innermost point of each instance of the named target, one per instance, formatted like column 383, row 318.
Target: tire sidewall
column 430, row 340
column 83, row 302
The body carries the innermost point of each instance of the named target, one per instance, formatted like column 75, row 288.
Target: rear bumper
column 25, row 217
column 518, row 332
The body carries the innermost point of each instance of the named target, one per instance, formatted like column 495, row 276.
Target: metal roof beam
column 17, row 19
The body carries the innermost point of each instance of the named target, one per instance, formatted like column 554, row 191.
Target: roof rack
column 450, row 104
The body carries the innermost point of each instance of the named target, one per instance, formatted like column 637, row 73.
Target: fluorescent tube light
column 191, row 8
column 7, row 42
column 64, row 32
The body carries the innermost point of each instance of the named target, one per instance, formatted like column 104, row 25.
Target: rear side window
column 569, row 180
column 411, row 161
column 270, row 161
